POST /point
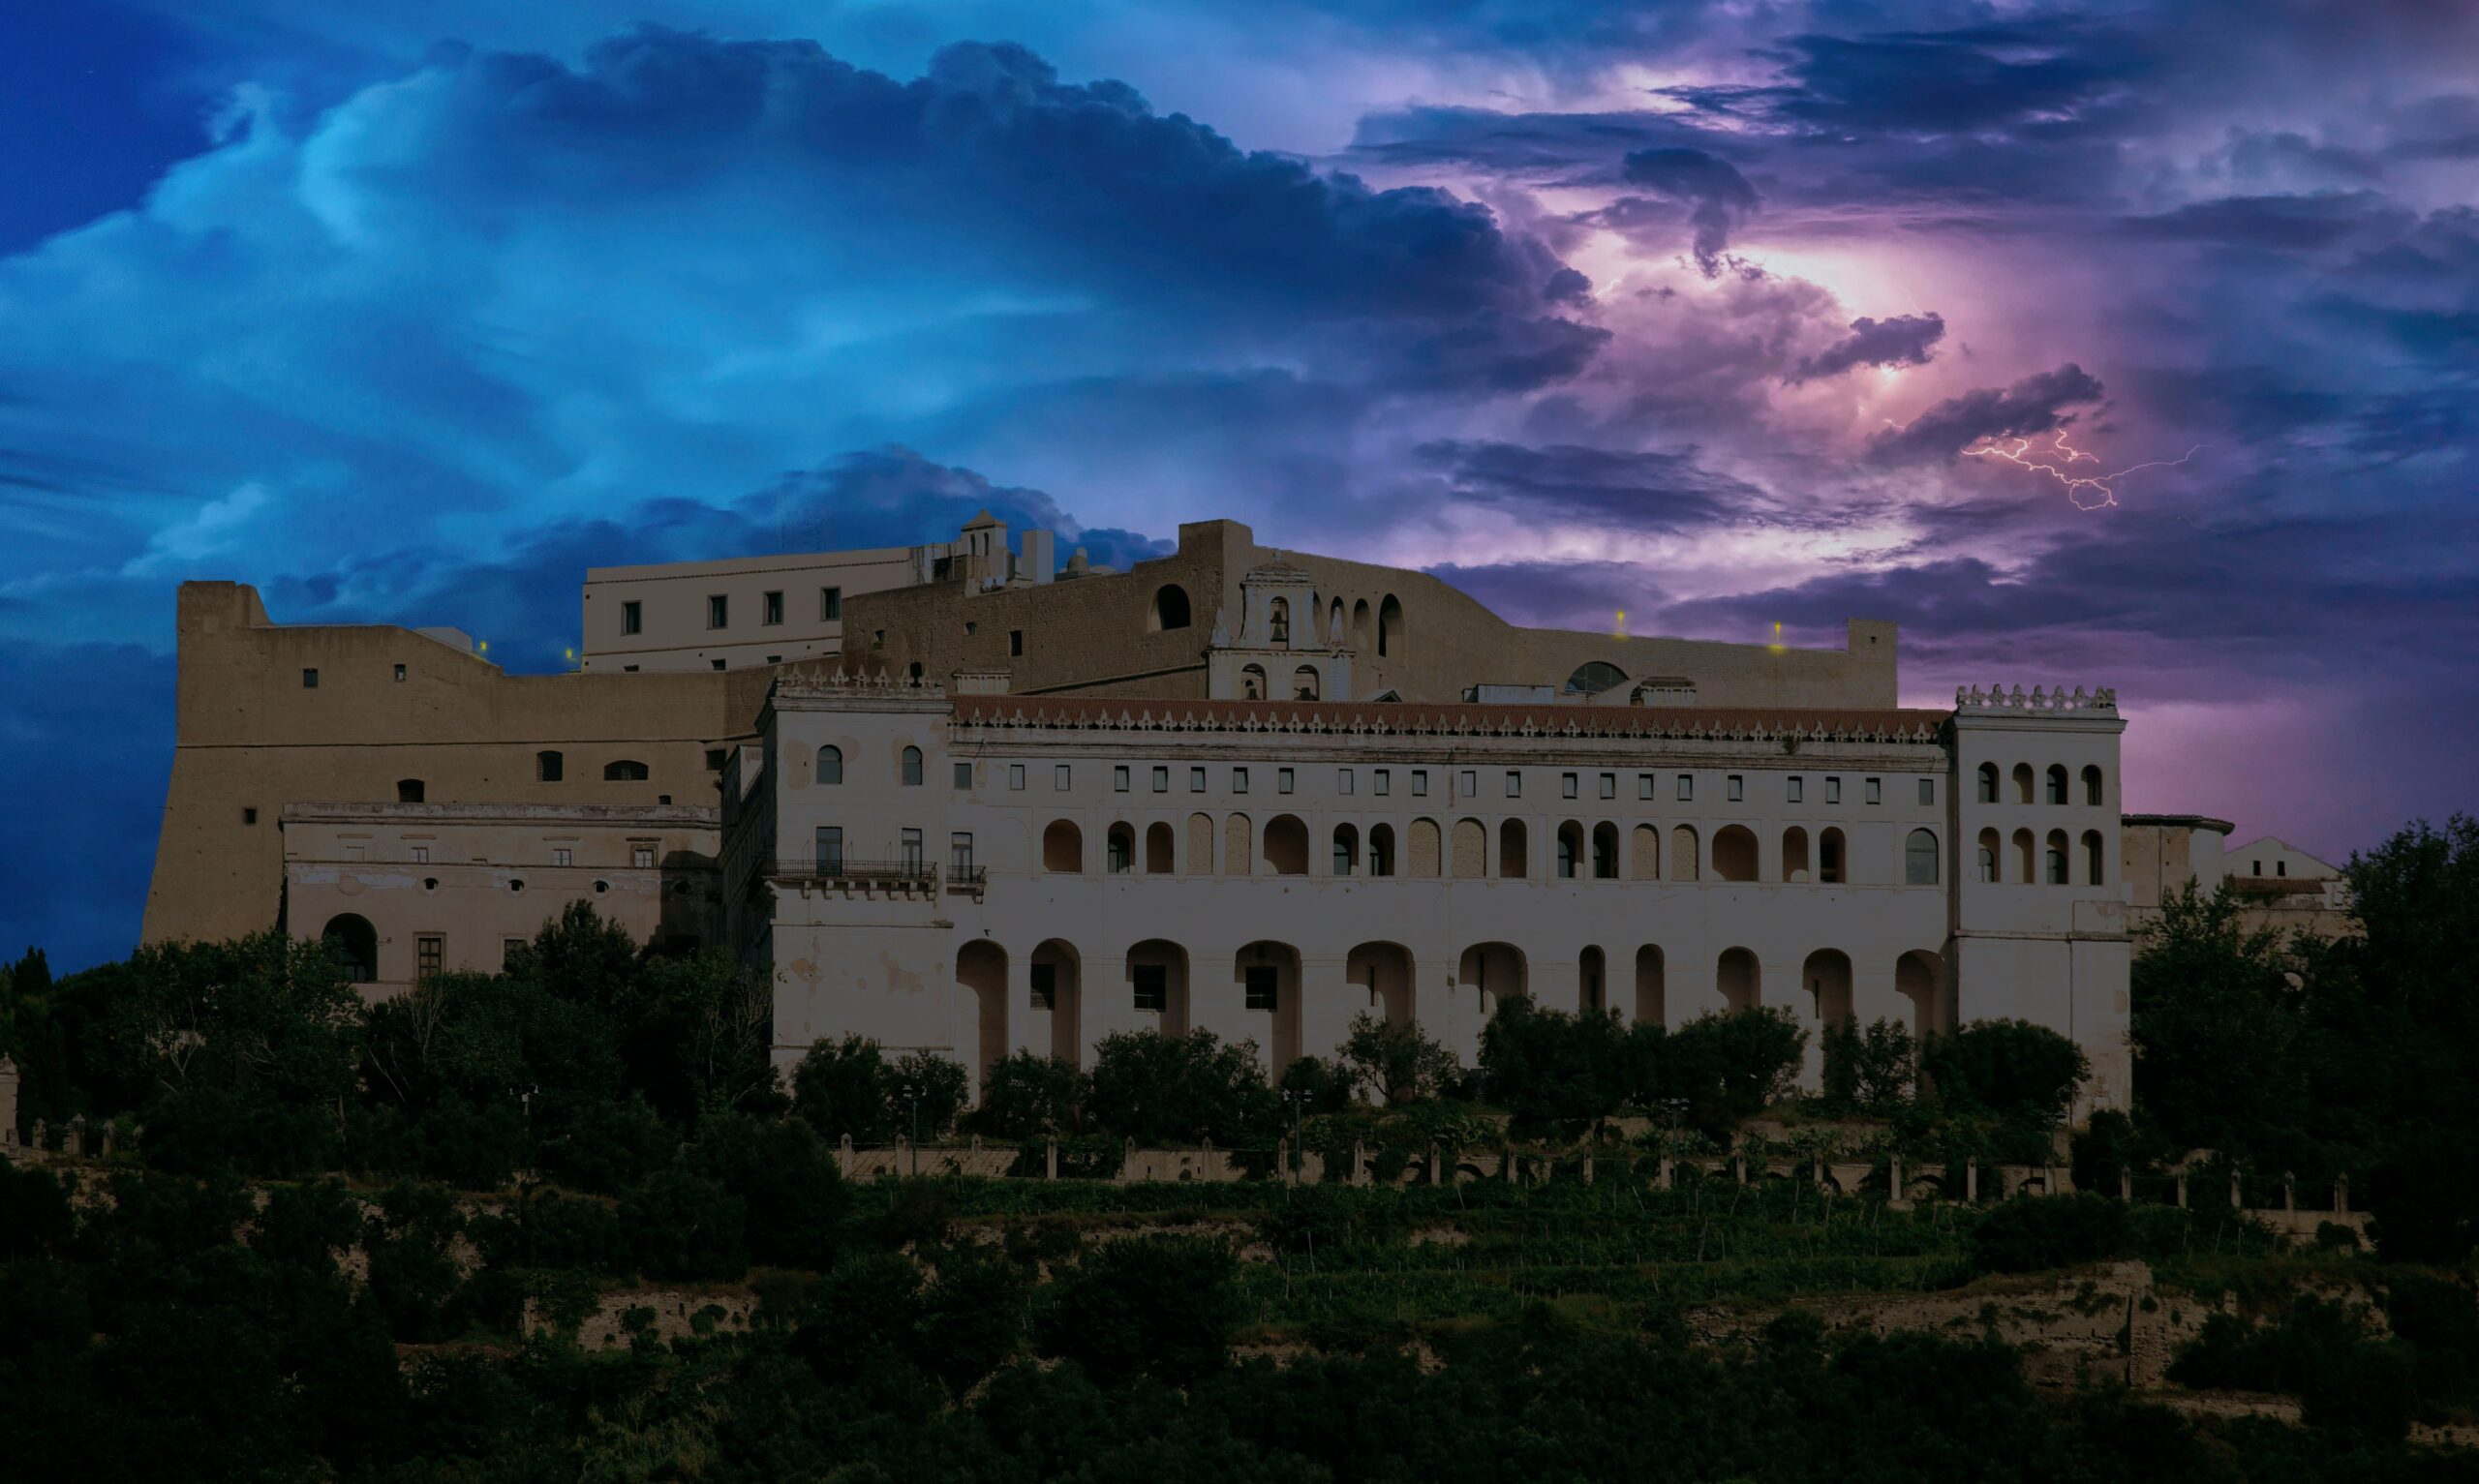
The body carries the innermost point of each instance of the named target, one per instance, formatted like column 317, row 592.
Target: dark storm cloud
column 1637, row 490
column 1556, row 595
column 2033, row 405
column 1718, row 197
column 1902, row 340
column 1957, row 81
column 2282, row 222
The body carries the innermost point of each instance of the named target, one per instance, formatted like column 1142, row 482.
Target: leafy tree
column 2025, row 1236
column 1869, row 1069
column 924, row 1094
column 1180, row 1089
column 841, row 1088
column 1551, row 1070
column 1321, row 1085
column 2012, row 1069
column 1028, row 1096
column 1732, row 1064
column 1164, row 1307
column 785, row 1177
column 1398, row 1063
column 414, row 1277
column 686, row 1226
column 699, row 1035
column 2217, row 1025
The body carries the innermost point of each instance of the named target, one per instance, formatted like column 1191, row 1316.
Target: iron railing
column 850, row 868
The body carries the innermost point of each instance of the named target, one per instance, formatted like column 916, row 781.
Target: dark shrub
column 1027, row 1095
column 1164, row 1307
column 2012, row 1069
column 2029, row 1233
column 686, row 1226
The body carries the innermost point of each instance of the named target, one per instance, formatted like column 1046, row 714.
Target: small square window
column 1798, row 789
column 1874, row 791
column 1059, row 777
column 1196, row 781
column 1514, row 784
column 830, row 605
column 1643, row 785
column 1384, row 780
column 400, row 672
column 421, row 855
column 1832, row 789
column 1238, row 781
column 1419, row 783
column 771, row 611
column 1609, row 785
column 1685, row 786
column 428, row 953
column 1016, row 775
column 1737, row 789
column 642, row 857
column 1342, row 780
column 1470, row 784
column 1162, row 780
column 1565, row 785
column 309, row 679
column 963, row 776
column 972, row 629
column 1927, row 791
column 718, row 664
column 719, row 611
column 560, row 856
column 1119, row 779
column 633, row 617
column 1282, row 782
column 249, row 816
column 1015, row 643
column 716, row 758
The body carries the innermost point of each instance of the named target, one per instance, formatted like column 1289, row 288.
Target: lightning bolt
column 2063, row 472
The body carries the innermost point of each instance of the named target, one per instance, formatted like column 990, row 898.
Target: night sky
column 1726, row 316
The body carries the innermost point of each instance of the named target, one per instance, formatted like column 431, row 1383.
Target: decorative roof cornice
column 1105, row 713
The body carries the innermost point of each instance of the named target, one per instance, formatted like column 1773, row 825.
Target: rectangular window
column 1196, row 781
column 1238, row 781
column 400, row 672
column 1470, row 784
column 1736, row 791
column 509, row 948
column 1384, row 780
column 910, row 847
column 719, row 611
column 1832, row 789
column 1162, row 780
column 830, row 850
column 1685, row 786
column 429, row 950
column 249, row 816
column 421, row 855
column 1514, row 784
column 632, row 616
column 1059, row 777
column 560, row 856
column 771, row 611
column 717, row 757
column 963, row 776
column 1152, row 985
column 1342, row 780
column 959, row 855
column 1565, row 785
column 1419, row 783
column 1119, row 779
column 718, row 664
column 1927, row 791
column 1263, row 979
column 1015, row 644
column 1643, row 785
column 1873, row 791
column 1045, row 977
column 1282, row 782
column 1609, row 785
column 309, row 679
column 1016, row 776
column 642, row 857
column 1797, row 785
column 830, row 605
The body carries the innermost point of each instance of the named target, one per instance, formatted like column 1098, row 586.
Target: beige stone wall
column 478, row 876
column 671, row 600
column 252, row 738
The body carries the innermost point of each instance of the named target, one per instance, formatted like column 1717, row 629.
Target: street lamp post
column 913, row 1095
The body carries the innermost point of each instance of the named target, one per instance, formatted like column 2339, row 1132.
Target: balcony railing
column 851, row 868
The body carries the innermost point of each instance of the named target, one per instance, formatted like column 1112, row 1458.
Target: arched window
column 1159, row 849
column 1644, row 853
column 1170, row 608
column 1988, row 856
column 1795, row 854
column 1389, row 627
column 410, row 790
column 1118, row 850
column 1740, row 979
column 1199, row 844
column 2026, row 861
column 1470, row 849
column 1593, row 677
column 1829, row 857
column 1684, row 851
column 2092, row 786
column 1591, row 976
column 2056, row 859
column 1988, row 782
column 1735, row 853
column 830, row 765
column 2057, row 783
column 625, row 771
column 2022, row 784
column 1252, row 684
column 1605, row 851
column 913, row 671
column 1514, row 856
column 2093, row 874
column 1919, row 859
column 1335, row 629
column 1381, row 850
column 1287, row 845
column 1303, row 684
column 1346, row 849
column 549, row 767
column 912, row 768
column 1571, row 844
column 355, row 945
column 1064, row 848
column 1278, row 621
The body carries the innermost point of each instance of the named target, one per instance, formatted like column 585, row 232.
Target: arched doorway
column 1734, row 852
column 1495, row 969
column 1286, row 845
column 1827, row 977
column 981, row 980
column 1157, row 977
column 350, row 936
column 1267, row 975
column 1919, row 977
column 1592, row 980
column 1652, row 990
column 1384, row 971
column 1058, row 973
column 1741, row 980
